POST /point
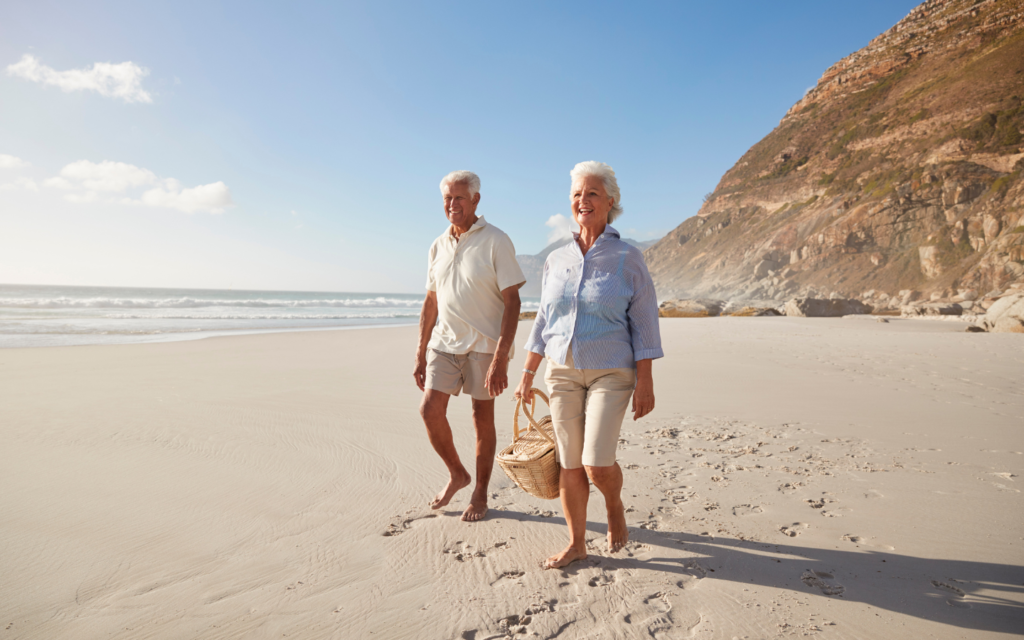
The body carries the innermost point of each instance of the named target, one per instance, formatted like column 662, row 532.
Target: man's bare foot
column 567, row 556
column 450, row 489
column 474, row 512
column 618, row 533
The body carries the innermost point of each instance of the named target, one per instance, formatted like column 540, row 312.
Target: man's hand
column 643, row 397
column 497, row 375
column 420, row 373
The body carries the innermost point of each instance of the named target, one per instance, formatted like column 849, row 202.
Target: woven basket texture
column 531, row 461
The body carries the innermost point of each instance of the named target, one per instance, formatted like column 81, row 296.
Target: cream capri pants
column 587, row 407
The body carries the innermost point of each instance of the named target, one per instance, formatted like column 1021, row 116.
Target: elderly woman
column 598, row 327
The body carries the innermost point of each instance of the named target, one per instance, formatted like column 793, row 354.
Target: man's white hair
column 468, row 178
column 591, row 168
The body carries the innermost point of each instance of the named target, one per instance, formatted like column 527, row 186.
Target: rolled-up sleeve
column 536, row 343
column 643, row 316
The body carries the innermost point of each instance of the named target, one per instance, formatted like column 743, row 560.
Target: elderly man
column 467, row 326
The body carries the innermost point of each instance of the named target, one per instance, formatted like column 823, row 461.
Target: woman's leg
column 608, row 395
column 608, row 480
column 567, row 412
column 574, row 490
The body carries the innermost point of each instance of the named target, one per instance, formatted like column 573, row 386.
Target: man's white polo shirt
column 469, row 275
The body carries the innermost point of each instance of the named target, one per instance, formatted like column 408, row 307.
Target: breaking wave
column 197, row 303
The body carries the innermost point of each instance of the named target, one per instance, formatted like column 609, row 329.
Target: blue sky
column 317, row 133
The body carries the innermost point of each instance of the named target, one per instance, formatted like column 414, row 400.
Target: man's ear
column 476, row 198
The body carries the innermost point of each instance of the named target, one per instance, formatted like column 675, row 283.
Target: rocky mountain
column 899, row 175
column 533, row 266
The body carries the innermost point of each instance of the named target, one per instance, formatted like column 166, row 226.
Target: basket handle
column 528, row 412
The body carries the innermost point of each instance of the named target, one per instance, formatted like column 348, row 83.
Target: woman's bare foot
column 618, row 533
column 454, row 484
column 474, row 512
column 567, row 556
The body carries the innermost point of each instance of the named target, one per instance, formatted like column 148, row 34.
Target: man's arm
column 497, row 373
column 428, row 318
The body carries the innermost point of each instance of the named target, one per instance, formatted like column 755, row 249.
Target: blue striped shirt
column 602, row 304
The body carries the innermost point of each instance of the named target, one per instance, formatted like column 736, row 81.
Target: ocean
column 47, row 316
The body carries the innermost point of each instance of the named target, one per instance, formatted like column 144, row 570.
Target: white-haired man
column 467, row 326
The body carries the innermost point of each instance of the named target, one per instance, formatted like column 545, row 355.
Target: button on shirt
column 469, row 275
column 602, row 304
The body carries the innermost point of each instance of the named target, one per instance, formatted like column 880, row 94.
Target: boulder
column 689, row 309
column 1006, row 315
column 756, row 312
column 931, row 309
column 816, row 308
column 764, row 267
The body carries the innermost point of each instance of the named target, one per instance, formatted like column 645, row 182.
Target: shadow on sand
column 954, row 592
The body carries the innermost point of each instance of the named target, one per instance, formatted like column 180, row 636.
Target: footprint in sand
column 746, row 510
column 838, row 512
column 873, row 493
column 790, row 487
column 824, row 582
column 693, row 572
column 395, row 529
column 602, row 580
column 818, row 503
column 945, row 586
column 867, row 542
column 795, row 529
column 514, row 624
column 509, row 576
column 465, row 553
column 542, row 607
column 503, row 545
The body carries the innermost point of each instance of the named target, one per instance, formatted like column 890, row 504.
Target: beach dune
column 826, row 477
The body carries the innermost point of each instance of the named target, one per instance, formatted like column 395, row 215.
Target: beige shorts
column 587, row 407
column 451, row 373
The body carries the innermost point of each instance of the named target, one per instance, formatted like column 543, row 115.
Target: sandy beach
column 833, row 478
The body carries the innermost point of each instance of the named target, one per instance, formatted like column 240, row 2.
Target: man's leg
column 483, row 423
column 434, row 410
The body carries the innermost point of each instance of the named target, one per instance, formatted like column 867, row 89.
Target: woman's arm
column 525, row 388
column 643, row 395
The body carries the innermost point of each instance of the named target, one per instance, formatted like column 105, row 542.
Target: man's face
column 459, row 205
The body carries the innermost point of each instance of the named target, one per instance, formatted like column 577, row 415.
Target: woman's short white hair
column 468, row 178
column 591, row 168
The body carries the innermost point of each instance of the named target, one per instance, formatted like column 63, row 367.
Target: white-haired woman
column 598, row 327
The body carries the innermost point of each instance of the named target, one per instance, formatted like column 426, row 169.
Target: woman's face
column 590, row 202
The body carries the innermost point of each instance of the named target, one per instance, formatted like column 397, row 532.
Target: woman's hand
column 643, row 394
column 525, row 388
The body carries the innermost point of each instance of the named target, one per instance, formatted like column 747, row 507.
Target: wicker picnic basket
column 532, row 458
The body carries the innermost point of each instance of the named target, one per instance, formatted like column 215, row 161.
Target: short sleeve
column 431, row 283
column 506, row 266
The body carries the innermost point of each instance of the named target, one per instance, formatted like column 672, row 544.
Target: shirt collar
column 609, row 230
column 479, row 224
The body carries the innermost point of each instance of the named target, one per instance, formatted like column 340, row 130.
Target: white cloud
column 122, row 80
column 57, row 183
column 107, row 175
column 561, row 228
column 110, row 177
column 20, row 183
column 82, row 198
column 214, row 197
column 10, row 162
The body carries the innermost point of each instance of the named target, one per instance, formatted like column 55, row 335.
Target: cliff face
column 901, row 170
